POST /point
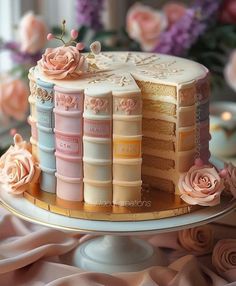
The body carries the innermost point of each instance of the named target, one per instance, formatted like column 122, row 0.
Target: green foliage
column 213, row 50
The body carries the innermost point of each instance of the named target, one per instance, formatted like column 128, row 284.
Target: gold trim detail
column 44, row 95
column 155, row 204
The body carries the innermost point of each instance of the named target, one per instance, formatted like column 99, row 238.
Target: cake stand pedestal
column 114, row 251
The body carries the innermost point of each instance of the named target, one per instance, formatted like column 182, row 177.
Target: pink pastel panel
column 97, row 128
column 68, row 99
column 69, row 166
column 68, row 121
column 68, row 143
column 69, row 189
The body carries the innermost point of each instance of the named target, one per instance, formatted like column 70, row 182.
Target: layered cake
column 124, row 121
column 110, row 127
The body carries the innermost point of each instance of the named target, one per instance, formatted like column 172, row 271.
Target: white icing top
column 119, row 70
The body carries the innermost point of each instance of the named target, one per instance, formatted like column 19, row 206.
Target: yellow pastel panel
column 127, row 149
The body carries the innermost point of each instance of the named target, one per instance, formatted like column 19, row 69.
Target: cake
column 115, row 132
column 135, row 119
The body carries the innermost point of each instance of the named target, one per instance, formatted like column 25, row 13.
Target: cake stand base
column 111, row 254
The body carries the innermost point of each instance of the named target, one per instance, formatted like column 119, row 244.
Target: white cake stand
column 114, row 251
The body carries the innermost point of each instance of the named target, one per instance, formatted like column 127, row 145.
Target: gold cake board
column 155, row 204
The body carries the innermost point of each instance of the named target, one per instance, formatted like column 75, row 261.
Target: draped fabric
column 32, row 255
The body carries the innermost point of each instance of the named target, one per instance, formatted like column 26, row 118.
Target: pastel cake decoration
column 97, row 146
column 68, row 137
column 106, row 123
column 46, row 138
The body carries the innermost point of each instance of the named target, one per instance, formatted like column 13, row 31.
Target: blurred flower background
column 202, row 30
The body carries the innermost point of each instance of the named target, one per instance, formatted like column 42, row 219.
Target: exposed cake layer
column 158, row 126
column 158, row 144
column 174, row 136
column 158, row 162
column 159, row 183
column 158, row 90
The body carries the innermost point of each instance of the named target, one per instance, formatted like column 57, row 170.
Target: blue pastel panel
column 45, row 115
column 46, row 137
column 48, row 180
column 45, row 93
column 46, row 157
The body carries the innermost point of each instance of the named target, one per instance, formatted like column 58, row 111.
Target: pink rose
column 13, row 98
column 224, row 258
column 63, row 62
column 18, row 167
column 174, row 12
column 230, row 71
column 197, row 240
column 145, row 25
column 201, row 185
column 228, row 12
column 96, row 104
column 128, row 105
column 33, row 33
column 230, row 179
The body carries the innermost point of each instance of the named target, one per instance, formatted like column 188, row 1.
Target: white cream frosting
column 121, row 69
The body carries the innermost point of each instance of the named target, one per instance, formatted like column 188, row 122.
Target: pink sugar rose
column 230, row 71
column 128, row 105
column 18, row 168
column 174, row 12
column 230, row 178
column 145, row 25
column 98, row 104
column 201, row 185
column 63, row 62
column 197, row 240
column 13, row 98
column 224, row 258
column 33, row 33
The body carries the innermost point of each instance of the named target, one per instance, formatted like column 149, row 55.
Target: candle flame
column 226, row 115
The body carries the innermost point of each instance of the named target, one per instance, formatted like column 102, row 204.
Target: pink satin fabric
column 31, row 255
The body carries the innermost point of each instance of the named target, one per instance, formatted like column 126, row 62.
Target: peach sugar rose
column 201, row 185
column 13, row 98
column 224, row 258
column 63, row 62
column 33, row 33
column 198, row 240
column 18, row 168
column 145, row 25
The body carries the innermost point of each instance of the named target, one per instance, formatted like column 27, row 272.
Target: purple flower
column 88, row 13
column 19, row 57
column 184, row 33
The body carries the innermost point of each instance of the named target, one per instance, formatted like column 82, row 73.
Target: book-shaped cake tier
column 130, row 122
